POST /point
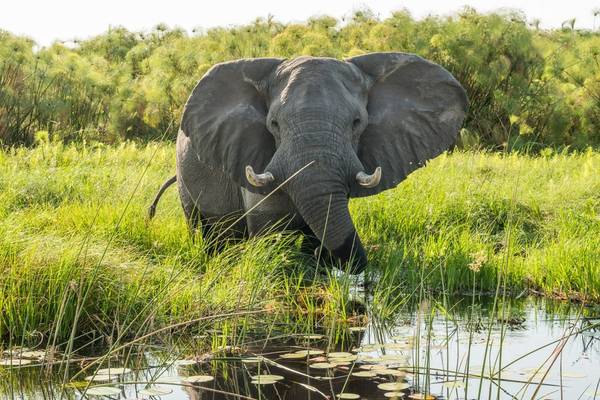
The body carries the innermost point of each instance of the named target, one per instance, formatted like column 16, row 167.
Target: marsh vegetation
column 549, row 350
column 85, row 274
column 528, row 88
column 77, row 213
column 485, row 266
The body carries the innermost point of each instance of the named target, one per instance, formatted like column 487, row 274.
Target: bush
column 528, row 88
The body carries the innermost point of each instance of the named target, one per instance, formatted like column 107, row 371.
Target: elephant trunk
column 323, row 204
column 320, row 191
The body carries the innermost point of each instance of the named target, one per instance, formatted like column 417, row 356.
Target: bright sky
column 49, row 20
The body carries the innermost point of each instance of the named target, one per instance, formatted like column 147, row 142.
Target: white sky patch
column 48, row 20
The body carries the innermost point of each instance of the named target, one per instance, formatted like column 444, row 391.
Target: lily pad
column 357, row 328
column 264, row 382
column 34, row 354
column 14, row 362
column 198, row 379
column 371, row 367
column 15, row 352
column 365, row 374
column 348, row 396
column 155, row 391
column 340, row 363
column 397, row 346
column 227, row 349
column 340, row 354
column 368, row 348
column 76, row 385
column 407, row 372
column 184, row 363
column 312, row 336
column 293, row 356
column 322, row 365
column 393, row 386
column 267, row 377
column 392, row 358
column 394, row 395
column 365, row 358
column 103, row 391
column 252, row 360
column 100, row 378
column 310, row 352
column 113, row 371
column 349, row 358
column 421, row 396
column 392, row 372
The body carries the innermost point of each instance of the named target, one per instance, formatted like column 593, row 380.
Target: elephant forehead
column 321, row 69
column 314, row 78
column 308, row 63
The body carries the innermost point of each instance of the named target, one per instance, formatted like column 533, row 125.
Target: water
column 427, row 348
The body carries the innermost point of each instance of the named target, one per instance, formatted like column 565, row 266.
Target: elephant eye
column 356, row 123
column 274, row 124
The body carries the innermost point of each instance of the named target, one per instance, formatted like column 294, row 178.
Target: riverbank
column 78, row 257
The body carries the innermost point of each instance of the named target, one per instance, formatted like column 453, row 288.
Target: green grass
column 461, row 208
column 77, row 256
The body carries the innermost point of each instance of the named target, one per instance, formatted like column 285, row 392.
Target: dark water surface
column 429, row 347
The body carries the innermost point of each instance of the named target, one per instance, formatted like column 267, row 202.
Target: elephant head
column 361, row 125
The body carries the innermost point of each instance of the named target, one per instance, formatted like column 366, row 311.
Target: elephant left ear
column 415, row 108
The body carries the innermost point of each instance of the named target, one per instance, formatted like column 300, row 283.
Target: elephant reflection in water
column 320, row 131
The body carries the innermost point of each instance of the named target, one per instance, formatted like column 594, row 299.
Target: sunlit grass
column 456, row 212
column 78, row 257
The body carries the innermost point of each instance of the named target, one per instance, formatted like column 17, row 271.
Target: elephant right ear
column 225, row 117
column 415, row 108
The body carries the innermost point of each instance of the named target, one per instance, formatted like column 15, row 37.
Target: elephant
column 266, row 140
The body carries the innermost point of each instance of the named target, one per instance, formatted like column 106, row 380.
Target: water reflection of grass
column 81, row 267
column 405, row 351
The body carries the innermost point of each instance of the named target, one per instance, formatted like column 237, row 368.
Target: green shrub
column 528, row 88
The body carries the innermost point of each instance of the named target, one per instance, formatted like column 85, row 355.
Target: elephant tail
column 165, row 186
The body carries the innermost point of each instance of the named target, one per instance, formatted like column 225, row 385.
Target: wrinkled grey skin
column 388, row 110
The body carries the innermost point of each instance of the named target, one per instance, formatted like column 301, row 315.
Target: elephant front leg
column 267, row 214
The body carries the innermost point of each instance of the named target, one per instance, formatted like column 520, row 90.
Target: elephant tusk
column 369, row 181
column 258, row 180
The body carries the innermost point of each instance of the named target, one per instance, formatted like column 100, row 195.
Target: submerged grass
column 66, row 228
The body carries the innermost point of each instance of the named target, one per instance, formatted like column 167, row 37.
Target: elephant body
column 319, row 131
column 213, row 201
